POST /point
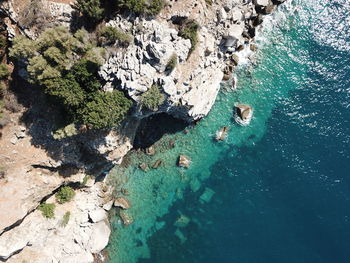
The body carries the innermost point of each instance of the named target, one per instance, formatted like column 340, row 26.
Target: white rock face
column 61, row 243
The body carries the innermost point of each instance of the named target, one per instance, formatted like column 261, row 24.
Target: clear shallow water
column 281, row 185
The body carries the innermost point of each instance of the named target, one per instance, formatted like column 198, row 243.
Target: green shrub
column 67, row 67
column 67, row 131
column 4, row 72
column 91, row 9
column 47, row 210
column 104, row 110
column 65, row 194
column 65, row 219
column 148, row 7
column 111, row 34
column 170, row 66
column 209, row 2
column 152, row 98
column 190, row 31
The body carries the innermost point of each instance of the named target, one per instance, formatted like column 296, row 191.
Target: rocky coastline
column 37, row 165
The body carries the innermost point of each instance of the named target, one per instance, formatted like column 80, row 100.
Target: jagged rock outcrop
column 87, row 228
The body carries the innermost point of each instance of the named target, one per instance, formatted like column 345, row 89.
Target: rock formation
column 226, row 32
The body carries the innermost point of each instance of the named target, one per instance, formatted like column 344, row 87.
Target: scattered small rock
column 157, row 164
column 184, row 161
column 150, row 151
column 143, row 167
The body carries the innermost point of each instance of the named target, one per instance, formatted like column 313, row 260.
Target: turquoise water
column 274, row 191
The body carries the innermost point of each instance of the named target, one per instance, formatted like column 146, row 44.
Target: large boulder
column 243, row 114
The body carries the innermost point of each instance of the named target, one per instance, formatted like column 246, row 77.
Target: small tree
column 153, row 98
column 91, row 9
column 65, row 194
column 47, row 210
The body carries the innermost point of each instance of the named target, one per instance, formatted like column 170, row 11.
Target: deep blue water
column 282, row 192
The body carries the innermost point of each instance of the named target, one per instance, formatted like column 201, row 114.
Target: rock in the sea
column 243, row 114
column 157, row 164
column 150, row 151
column 182, row 221
column 184, row 161
column 122, row 202
column 221, row 134
column 144, row 167
column 126, row 219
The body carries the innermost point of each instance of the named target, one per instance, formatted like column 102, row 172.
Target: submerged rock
column 182, row 221
column 144, row 167
column 126, row 219
column 157, row 164
column 122, row 202
column 243, row 114
column 150, row 151
column 207, row 195
column 184, row 161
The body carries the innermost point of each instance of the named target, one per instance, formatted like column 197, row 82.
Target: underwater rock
column 157, row 164
column 184, row 161
column 122, row 202
column 221, row 134
column 150, row 151
column 144, row 167
column 243, row 114
column 182, row 221
column 126, row 219
column 207, row 195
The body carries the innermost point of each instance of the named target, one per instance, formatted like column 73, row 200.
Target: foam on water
column 283, row 64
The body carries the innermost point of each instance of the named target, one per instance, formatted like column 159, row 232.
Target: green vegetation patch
column 4, row 72
column 66, row 66
column 65, row 219
column 147, row 7
column 190, row 31
column 91, row 9
column 153, row 98
column 170, row 66
column 65, row 194
column 47, row 210
column 110, row 35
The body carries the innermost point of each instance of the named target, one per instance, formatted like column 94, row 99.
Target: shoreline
column 110, row 154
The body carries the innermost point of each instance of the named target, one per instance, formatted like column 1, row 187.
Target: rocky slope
column 36, row 164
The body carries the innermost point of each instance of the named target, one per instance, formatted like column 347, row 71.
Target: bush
column 170, row 66
column 67, row 67
column 91, row 9
column 189, row 31
column 148, row 7
column 4, row 72
column 104, row 110
column 47, row 210
column 65, row 219
column 111, row 35
column 152, row 98
column 65, row 194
